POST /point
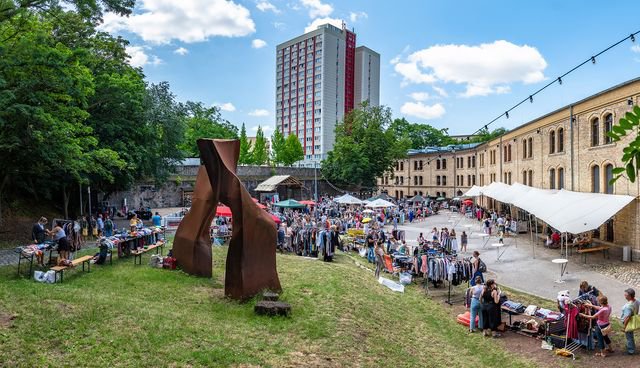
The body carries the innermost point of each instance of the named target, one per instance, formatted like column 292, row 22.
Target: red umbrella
column 223, row 211
column 467, row 202
column 308, row 203
column 276, row 219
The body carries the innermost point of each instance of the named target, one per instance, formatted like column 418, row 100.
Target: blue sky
column 452, row 64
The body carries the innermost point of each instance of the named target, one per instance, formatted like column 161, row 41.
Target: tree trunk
column 65, row 199
column 3, row 186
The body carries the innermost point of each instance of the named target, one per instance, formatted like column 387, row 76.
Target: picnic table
column 137, row 254
column 84, row 260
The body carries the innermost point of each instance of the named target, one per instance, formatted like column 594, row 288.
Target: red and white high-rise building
column 321, row 76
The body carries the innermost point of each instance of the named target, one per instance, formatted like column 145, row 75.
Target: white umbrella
column 367, row 211
column 380, row 203
column 348, row 199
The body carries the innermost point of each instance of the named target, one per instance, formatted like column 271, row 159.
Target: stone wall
column 171, row 193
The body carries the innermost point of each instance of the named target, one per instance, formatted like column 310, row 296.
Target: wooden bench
column 603, row 248
column 84, row 260
column 137, row 254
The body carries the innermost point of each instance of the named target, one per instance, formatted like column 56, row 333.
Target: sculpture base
column 269, row 308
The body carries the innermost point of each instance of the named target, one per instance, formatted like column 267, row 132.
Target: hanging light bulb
column 506, row 113
column 593, row 59
column 531, row 99
column 560, row 80
column 633, row 38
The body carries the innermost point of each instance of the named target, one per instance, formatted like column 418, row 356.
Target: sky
column 451, row 64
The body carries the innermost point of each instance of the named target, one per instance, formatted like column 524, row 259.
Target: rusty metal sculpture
column 251, row 260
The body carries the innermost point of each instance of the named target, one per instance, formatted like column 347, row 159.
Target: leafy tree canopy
column 246, row 154
column 365, row 148
column 204, row 122
column 260, row 153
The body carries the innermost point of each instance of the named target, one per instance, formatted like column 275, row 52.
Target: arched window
column 509, row 178
column 402, row 180
column 524, row 177
column 608, row 176
column 420, row 180
column 530, row 177
column 444, row 180
column 420, row 167
column 415, row 192
column 552, row 141
column 561, row 140
column 595, row 132
column 444, row 164
column 524, row 148
column 415, row 180
column 595, row 179
column 438, row 164
column 415, row 165
column 438, row 194
column 468, row 180
column 530, row 147
column 397, row 194
column 552, row 178
column 438, row 180
column 509, row 152
column 504, row 154
column 474, row 179
column 401, row 166
column 608, row 124
column 420, row 193
column 561, row 178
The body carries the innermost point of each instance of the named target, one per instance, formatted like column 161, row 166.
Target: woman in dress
column 454, row 241
column 491, row 315
column 464, row 239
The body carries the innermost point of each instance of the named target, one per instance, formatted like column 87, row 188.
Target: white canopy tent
column 348, row 199
column 474, row 191
column 380, row 203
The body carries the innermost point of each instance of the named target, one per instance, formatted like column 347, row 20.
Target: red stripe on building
column 313, row 101
column 349, row 68
column 304, row 90
column 290, row 67
column 282, row 96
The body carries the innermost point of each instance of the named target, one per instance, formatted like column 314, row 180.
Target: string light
column 592, row 59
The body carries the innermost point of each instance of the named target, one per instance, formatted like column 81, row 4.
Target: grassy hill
column 135, row 316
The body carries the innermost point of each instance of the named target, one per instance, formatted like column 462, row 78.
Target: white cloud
column 419, row 96
column 279, row 25
column 395, row 60
column 354, row 16
column 138, row 57
column 267, row 6
column 225, row 106
column 635, row 48
column 320, row 21
column 258, row 43
column 259, row 112
column 483, row 69
column 317, row 8
column 161, row 21
column 181, row 51
column 440, row 91
column 422, row 111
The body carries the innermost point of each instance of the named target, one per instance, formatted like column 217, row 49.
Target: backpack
column 482, row 267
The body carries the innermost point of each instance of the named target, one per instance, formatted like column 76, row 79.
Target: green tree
column 365, row 148
column 204, row 122
column 277, row 147
column 628, row 124
column 484, row 135
column 89, row 9
column 420, row 135
column 259, row 152
column 246, row 157
column 293, row 151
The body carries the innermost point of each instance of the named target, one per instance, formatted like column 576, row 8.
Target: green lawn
column 128, row 316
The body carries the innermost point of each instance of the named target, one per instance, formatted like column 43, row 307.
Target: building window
column 524, row 148
column 509, row 152
column 595, row 132
column 504, row 158
column 415, row 165
column 444, row 164
column 509, row 178
column 524, row 177
column 438, row 180
column 595, row 179
column 561, row 140
column 530, row 147
column 552, row 179
column 530, row 177
column 415, row 180
column 473, row 161
column 401, row 166
column 469, row 180
column 474, row 179
column 420, row 167
column 608, row 177
column 402, row 180
column 438, row 164
column 608, row 124
column 552, row 141
column 561, row 178
column 444, row 180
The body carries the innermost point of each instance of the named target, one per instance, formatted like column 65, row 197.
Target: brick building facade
column 565, row 149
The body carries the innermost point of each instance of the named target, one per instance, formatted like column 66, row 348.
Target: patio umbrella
column 223, row 211
column 308, row 203
column 467, row 202
column 348, row 199
column 276, row 219
column 416, row 198
column 441, row 199
column 366, row 220
column 456, row 199
column 367, row 211
column 380, row 203
column 289, row 203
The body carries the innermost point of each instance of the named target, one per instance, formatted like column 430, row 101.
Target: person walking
column 464, row 239
column 630, row 309
column 454, row 241
column 108, row 227
column 100, row 225
column 475, row 307
column 603, row 312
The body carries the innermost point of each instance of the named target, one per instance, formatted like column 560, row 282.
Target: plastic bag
column 39, row 276
column 391, row 284
column 405, row 278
